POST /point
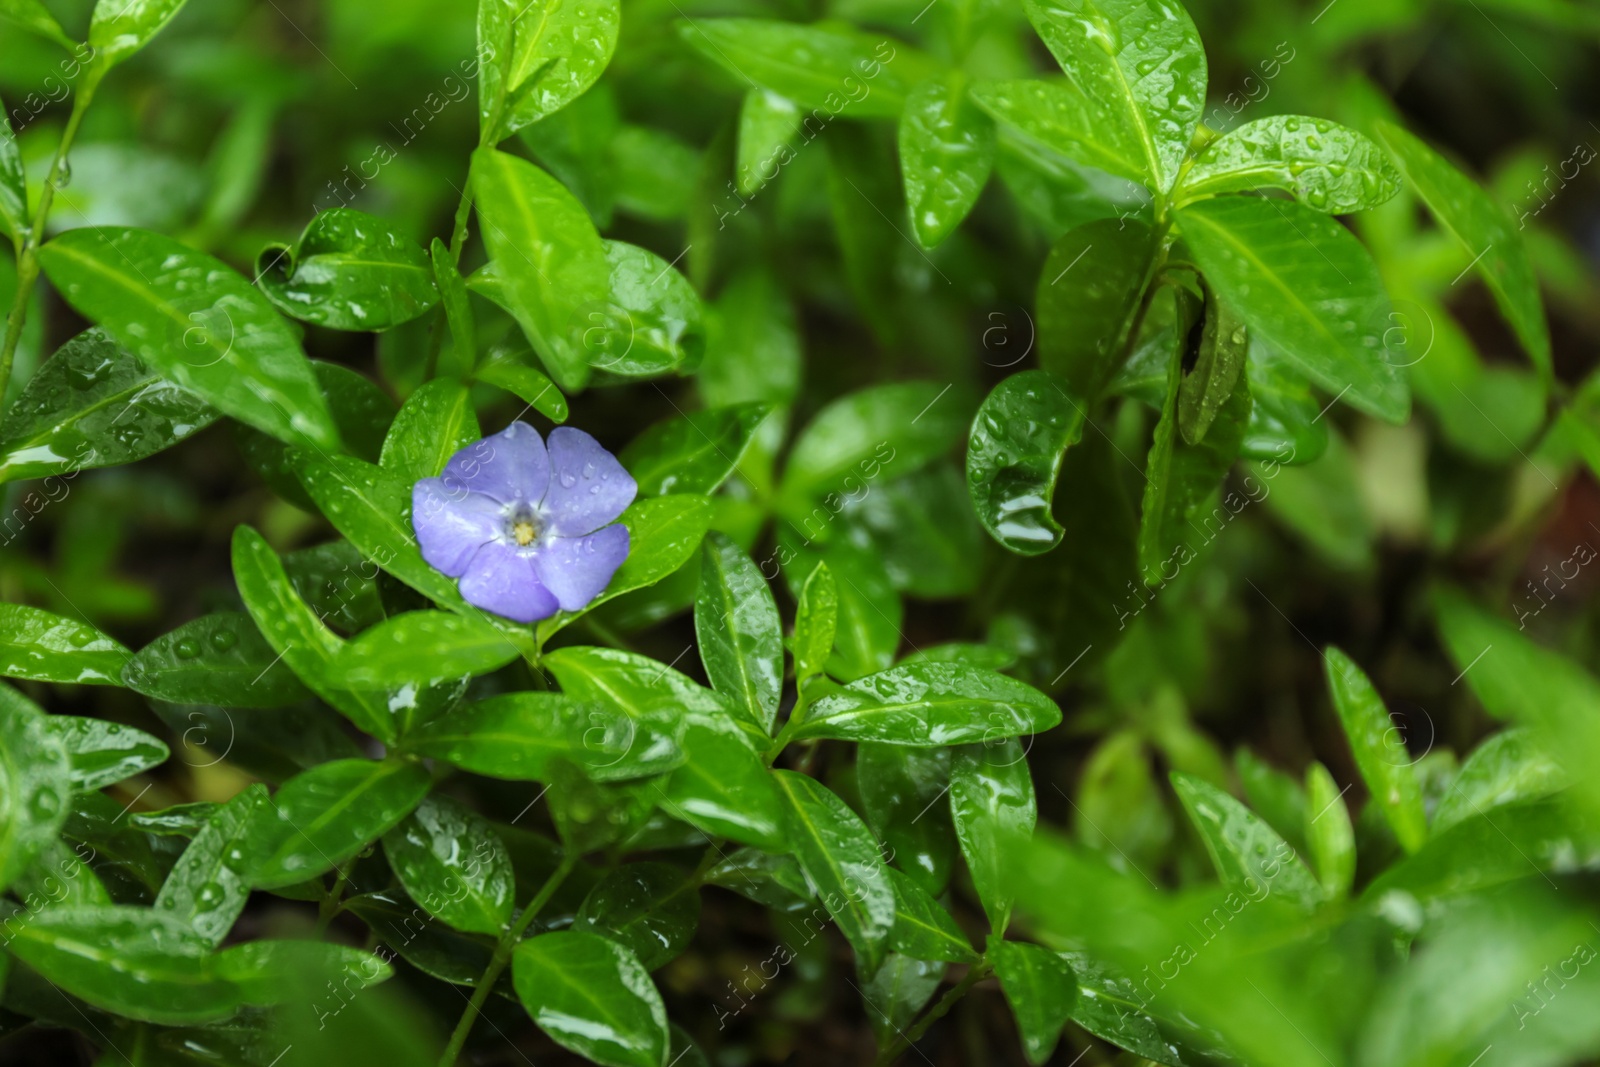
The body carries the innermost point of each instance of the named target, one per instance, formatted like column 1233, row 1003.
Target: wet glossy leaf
column 33, row 16
column 324, row 816
column 1042, row 991
column 841, row 862
column 870, row 612
column 279, row 972
column 693, row 453
column 459, row 358
column 551, row 260
column 773, row 880
column 723, row 787
column 1087, row 298
column 307, row 647
column 361, row 413
column 922, row 928
column 1509, row 766
column 768, row 125
column 1224, row 344
column 13, row 182
column 930, row 704
column 1328, row 833
column 1142, row 61
column 1484, row 230
column 993, row 809
column 947, row 149
column 740, row 636
column 900, row 789
column 209, row 885
column 1324, row 165
column 120, row 28
column 899, row 989
column 988, row 657
column 349, row 271
column 421, row 646
column 435, row 423
column 42, row 647
column 752, row 345
column 60, row 877
column 431, row 947
column 1306, row 286
column 815, row 622
column 592, row 995
column 1020, row 434
column 1285, row 415
column 561, row 49
column 1110, row 1007
column 180, row 820
column 1250, row 858
column 450, row 862
column 104, row 753
column 94, row 404
column 531, row 386
column 853, row 440
column 196, row 322
column 1061, row 119
column 831, row 69
column 35, row 783
column 1379, row 747
column 651, row 323
column 650, row 908
column 217, row 659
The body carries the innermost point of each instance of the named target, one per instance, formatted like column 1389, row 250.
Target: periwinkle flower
column 527, row 529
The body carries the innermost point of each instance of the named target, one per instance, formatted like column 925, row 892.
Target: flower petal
column 588, row 487
column 577, row 569
column 510, row 466
column 502, row 580
column 452, row 524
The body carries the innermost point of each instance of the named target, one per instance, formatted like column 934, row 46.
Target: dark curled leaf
column 1014, row 455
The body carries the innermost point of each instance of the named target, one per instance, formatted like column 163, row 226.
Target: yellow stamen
column 524, row 531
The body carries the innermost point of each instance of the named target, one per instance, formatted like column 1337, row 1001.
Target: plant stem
column 975, row 974
column 502, row 957
column 28, row 254
column 330, row 904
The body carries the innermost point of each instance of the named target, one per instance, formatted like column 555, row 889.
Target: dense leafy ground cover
column 734, row 532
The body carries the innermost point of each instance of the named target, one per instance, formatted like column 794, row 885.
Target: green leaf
column 1484, row 230
column 122, row 27
column 693, row 453
column 35, row 784
column 209, row 886
column 752, row 345
column 900, row 787
column 1114, row 1012
column 1058, row 119
column 1305, row 285
column 768, row 124
column 851, row 441
column 217, row 659
column 740, row 636
column 815, row 622
column 651, row 323
column 922, row 928
column 1021, row 431
column 13, row 181
column 1329, row 834
column 1250, row 858
column 561, row 49
column 1508, row 767
column 361, row 413
column 459, row 358
column 993, row 809
column 421, row 646
column 94, row 404
column 1042, row 991
column 870, row 612
column 297, row 634
column 326, row 815
column 592, row 996
column 931, row 704
column 529, row 736
column 130, row 961
column 723, row 788
column 1142, row 61
column 654, row 172
column 279, row 972
column 451, row 863
column 1088, row 297
column 665, row 531
column 60, row 877
column 436, row 422
column 42, row 647
column 947, row 149
column 430, row 947
column 1379, row 748
column 842, row 864
column 533, row 387
column 1224, row 345
column 651, row 909
column 32, row 15
column 191, row 318
column 550, row 258
column 1321, row 503
column 104, row 753
column 349, row 271
column 1285, row 415
column 895, row 992
column 1323, row 165
column 832, row 69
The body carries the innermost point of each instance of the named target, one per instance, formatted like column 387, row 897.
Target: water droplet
column 63, row 176
column 45, row 803
column 187, row 649
column 79, row 638
column 568, row 480
column 223, row 640
column 1291, row 125
column 1317, row 199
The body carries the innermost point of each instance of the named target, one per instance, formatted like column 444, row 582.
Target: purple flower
column 525, row 527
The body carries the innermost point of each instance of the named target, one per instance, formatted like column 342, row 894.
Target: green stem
column 330, row 905
column 28, row 254
column 502, row 957
column 975, row 974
